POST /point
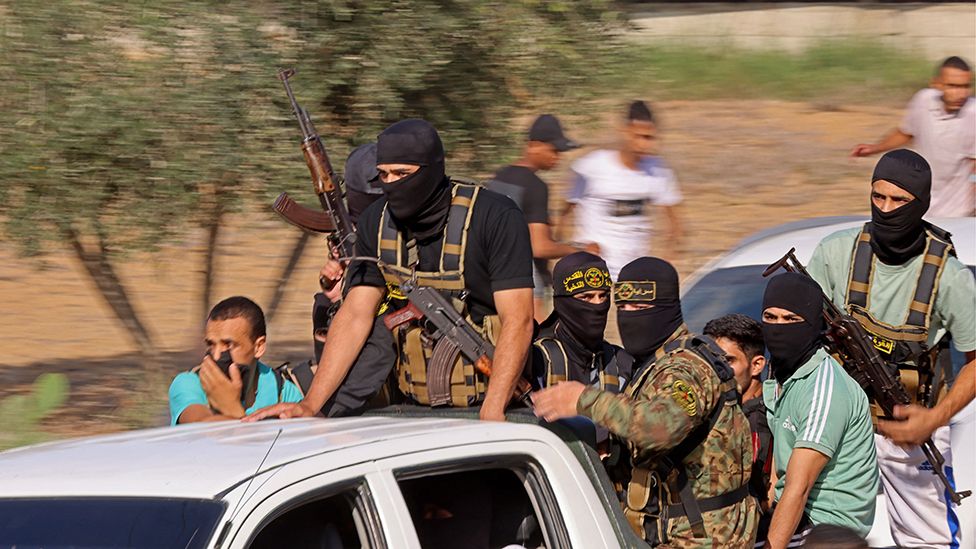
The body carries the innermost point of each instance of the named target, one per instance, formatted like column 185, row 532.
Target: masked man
column 899, row 278
column 571, row 345
column 690, row 444
column 469, row 243
column 823, row 447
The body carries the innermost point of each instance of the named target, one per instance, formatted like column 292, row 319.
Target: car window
column 339, row 521
column 731, row 290
column 108, row 522
column 489, row 507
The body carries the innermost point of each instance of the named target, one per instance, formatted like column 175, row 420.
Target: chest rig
column 659, row 490
column 418, row 351
column 609, row 371
column 905, row 346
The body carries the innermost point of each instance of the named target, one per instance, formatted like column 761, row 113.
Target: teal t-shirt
column 187, row 390
column 820, row 407
column 893, row 286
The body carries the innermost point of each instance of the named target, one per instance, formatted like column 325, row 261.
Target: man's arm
column 544, row 247
column 675, row 233
column 195, row 413
column 801, row 474
column 351, row 326
column 515, row 315
column 896, row 138
column 917, row 423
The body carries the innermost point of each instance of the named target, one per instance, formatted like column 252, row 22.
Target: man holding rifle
column 471, row 244
column 899, row 278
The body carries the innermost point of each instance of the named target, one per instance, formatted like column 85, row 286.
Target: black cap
column 580, row 272
column 646, row 280
column 547, row 129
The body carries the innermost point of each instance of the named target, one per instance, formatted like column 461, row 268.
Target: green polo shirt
column 822, row 408
column 893, row 286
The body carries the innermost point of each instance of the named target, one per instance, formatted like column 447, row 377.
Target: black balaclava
column 654, row 281
column 791, row 345
column 580, row 322
column 362, row 180
column 419, row 202
column 899, row 235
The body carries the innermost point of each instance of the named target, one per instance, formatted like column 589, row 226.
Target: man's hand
column 863, row 149
column 491, row 413
column 329, row 277
column 592, row 247
column 558, row 401
column 223, row 394
column 916, row 425
column 285, row 410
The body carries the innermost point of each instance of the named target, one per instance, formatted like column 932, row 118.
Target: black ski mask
column 791, row 345
column 580, row 322
column 420, row 201
column 655, row 282
column 899, row 235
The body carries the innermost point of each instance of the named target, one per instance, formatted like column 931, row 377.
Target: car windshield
column 107, row 522
column 732, row 290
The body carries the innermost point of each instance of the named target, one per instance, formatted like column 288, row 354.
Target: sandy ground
column 742, row 165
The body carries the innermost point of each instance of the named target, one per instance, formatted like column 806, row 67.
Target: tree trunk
column 213, row 233
column 101, row 271
column 279, row 292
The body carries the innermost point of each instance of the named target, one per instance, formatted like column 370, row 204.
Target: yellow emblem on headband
column 642, row 290
column 596, row 278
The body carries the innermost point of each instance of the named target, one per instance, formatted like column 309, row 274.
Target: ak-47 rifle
column 335, row 217
column 452, row 332
column 855, row 347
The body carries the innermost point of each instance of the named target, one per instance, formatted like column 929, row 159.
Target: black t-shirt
column 527, row 190
column 762, row 443
column 498, row 254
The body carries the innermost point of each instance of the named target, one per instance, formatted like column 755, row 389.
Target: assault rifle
column 335, row 217
column 855, row 347
column 451, row 331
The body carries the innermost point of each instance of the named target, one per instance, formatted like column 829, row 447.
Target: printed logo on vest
column 682, row 393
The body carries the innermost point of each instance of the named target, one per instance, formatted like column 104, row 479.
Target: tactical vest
column 660, row 491
column 609, row 378
column 904, row 346
column 416, row 347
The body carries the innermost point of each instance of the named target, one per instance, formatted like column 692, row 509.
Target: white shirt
column 948, row 143
column 612, row 204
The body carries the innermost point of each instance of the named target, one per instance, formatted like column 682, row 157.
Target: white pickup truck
column 376, row 481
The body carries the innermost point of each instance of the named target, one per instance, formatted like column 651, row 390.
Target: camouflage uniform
column 677, row 396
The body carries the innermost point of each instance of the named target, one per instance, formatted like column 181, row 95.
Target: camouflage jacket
column 676, row 396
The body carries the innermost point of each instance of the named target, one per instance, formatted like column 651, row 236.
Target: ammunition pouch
column 432, row 371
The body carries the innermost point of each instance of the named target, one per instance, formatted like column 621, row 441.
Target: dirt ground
column 742, row 165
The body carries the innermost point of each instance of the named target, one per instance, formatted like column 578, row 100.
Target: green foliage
column 134, row 121
column 848, row 71
column 21, row 415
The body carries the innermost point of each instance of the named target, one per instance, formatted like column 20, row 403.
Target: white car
column 373, row 481
column 733, row 283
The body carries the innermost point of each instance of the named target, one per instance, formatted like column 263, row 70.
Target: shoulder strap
column 862, row 262
column 937, row 252
column 557, row 362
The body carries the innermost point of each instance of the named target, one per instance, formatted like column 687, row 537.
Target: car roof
column 769, row 245
column 205, row 459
